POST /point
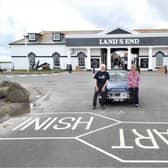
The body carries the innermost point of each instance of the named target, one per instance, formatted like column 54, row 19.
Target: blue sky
column 18, row 17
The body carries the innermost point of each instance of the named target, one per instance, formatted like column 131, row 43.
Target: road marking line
column 21, row 124
column 36, row 138
column 96, row 130
column 99, row 149
column 145, row 161
column 142, row 122
column 8, row 76
column 22, row 76
column 65, row 112
column 118, row 158
column 102, row 116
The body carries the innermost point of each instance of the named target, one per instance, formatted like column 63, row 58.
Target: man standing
column 102, row 77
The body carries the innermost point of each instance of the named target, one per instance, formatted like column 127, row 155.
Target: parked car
column 117, row 88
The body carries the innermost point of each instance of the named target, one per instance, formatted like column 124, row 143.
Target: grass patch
column 33, row 71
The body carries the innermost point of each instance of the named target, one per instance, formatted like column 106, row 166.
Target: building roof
column 151, row 30
column 46, row 36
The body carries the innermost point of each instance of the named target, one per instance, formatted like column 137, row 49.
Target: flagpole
column 25, row 44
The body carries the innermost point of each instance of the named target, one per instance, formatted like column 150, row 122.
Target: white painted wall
column 143, row 52
column 39, row 50
column 76, row 51
column 48, row 50
column 165, row 61
column 63, row 62
column 74, row 62
column 95, row 52
column 164, row 50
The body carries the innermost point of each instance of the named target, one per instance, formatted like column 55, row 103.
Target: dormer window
column 56, row 36
column 32, row 36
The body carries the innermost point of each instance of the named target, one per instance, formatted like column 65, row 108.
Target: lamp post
column 27, row 59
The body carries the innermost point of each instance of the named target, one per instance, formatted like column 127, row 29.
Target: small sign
column 95, row 63
column 144, row 62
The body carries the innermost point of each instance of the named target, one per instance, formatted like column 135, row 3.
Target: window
column 159, row 59
column 56, row 36
column 32, row 36
column 56, row 59
column 32, row 62
column 81, row 59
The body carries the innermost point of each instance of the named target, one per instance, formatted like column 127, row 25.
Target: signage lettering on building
column 119, row 41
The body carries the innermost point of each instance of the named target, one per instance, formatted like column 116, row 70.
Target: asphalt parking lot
column 63, row 131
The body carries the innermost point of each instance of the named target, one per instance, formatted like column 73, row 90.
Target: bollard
column 165, row 70
column 93, row 70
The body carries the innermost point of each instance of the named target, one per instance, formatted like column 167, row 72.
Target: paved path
column 63, row 131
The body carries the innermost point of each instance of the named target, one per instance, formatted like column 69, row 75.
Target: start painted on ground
column 127, row 142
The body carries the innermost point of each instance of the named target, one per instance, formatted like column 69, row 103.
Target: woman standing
column 133, row 84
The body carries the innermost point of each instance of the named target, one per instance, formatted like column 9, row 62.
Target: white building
column 147, row 47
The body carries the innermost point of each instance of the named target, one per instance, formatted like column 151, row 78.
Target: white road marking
column 105, row 117
column 34, row 75
column 118, row 158
column 26, row 121
column 36, row 138
column 9, row 76
column 143, row 122
column 122, row 142
column 99, row 149
column 64, row 112
column 22, row 76
column 78, row 138
column 96, row 130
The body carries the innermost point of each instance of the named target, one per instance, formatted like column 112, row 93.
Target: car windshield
column 118, row 76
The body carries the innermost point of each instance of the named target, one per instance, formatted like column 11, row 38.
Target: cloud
column 126, row 13
column 20, row 16
column 161, row 8
column 37, row 15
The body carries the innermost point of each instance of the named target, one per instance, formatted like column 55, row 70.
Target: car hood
column 117, row 84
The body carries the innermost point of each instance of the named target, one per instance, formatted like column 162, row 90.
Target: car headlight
column 123, row 94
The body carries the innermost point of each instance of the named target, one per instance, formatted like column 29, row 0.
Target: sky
column 18, row 17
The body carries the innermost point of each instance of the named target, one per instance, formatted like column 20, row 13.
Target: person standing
column 70, row 68
column 133, row 84
column 102, row 77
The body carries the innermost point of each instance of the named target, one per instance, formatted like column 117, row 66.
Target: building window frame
column 81, row 59
column 32, row 37
column 56, row 36
column 32, row 60
column 56, row 60
column 159, row 58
